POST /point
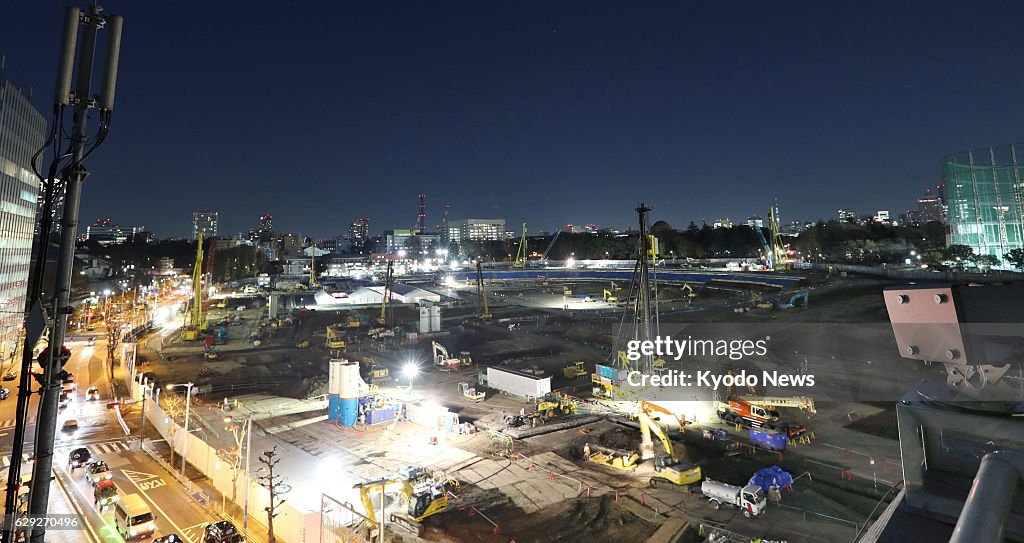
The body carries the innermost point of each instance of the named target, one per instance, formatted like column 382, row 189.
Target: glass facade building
column 985, row 197
column 22, row 132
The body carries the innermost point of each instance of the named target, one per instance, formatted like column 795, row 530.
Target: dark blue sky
column 548, row 112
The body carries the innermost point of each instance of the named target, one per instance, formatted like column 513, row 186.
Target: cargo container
column 517, row 383
column 772, row 440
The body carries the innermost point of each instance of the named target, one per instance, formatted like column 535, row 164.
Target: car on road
column 65, row 399
column 69, row 382
column 222, row 531
column 92, row 341
column 91, row 327
column 104, row 494
column 98, row 471
column 79, row 458
column 169, row 538
column 10, row 375
column 92, row 393
column 70, row 426
column 5, row 393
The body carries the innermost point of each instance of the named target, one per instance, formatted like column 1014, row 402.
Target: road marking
column 137, row 476
column 151, row 484
column 157, row 507
column 194, row 533
column 78, row 510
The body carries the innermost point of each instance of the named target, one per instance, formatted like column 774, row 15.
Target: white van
column 132, row 518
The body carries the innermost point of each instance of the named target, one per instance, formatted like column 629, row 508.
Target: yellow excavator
column 609, row 297
column 334, row 340
column 668, row 469
column 417, row 501
column 688, row 290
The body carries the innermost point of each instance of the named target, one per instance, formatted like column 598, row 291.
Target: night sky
column 549, row 112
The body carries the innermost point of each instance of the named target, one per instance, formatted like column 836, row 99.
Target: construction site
column 500, row 410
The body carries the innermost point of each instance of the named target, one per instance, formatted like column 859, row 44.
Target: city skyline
column 534, row 114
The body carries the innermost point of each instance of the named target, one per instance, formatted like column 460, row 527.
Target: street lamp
column 410, row 370
column 188, row 403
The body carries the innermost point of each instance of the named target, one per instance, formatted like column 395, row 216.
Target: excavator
column 609, row 297
column 442, row 360
column 419, row 499
column 668, row 469
column 334, row 340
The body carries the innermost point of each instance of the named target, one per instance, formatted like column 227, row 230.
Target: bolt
column 903, row 299
column 940, row 298
column 912, row 350
column 952, row 354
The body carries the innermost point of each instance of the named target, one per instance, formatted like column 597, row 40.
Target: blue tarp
column 769, row 477
column 663, row 276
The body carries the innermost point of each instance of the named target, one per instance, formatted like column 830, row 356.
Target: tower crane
column 196, row 323
column 521, row 253
column 777, row 247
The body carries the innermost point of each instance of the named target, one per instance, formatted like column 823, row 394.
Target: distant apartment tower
column 984, row 192
column 22, row 132
column 205, row 222
column 847, row 215
column 722, row 223
column 929, row 208
column 755, row 222
column 476, row 230
column 266, row 223
column 882, row 215
column 359, row 232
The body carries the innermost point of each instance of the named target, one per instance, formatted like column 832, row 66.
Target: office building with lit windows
column 984, row 192
column 22, row 133
column 205, row 222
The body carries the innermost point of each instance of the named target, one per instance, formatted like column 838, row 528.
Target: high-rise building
column 476, row 230
column 22, row 133
column 847, row 215
column 929, row 208
column 106, row 233
column 722, row 223
column 985, row 199
column 266, row 223
column 755, row 222
column 359, row 232
column 205, row 222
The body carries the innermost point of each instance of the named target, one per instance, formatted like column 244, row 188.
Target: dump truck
column 750, row 499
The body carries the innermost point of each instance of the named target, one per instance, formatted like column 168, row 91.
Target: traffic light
column 61, row 359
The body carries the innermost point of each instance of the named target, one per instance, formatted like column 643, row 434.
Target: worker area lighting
column 570, row 262
column 410, row 370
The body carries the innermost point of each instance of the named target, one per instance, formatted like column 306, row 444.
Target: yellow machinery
column 609, row 297
column 471, row 393
column 803, row 403
column 353, row 321
column 556, row 405
column 575, row 371
column 467, row 361
column 313, row 283
column 196, row 324
column 624, row 460
column 778, row 247
column 668, row 469
column 376, row 372
column 688, row 290
column 334, row 341
column 482, row 292
column 566, row 291
column 389, row 278
column 418, row 500
column 521, row 253
column 304, row 344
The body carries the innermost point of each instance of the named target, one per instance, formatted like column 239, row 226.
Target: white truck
column 749, row 498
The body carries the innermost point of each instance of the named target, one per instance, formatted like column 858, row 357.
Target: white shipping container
column 517, row 383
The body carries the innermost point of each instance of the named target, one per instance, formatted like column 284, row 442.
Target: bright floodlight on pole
column 410, row 370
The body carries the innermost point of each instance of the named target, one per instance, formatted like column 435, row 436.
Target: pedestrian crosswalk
column 61, row 453
column 8, row 424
